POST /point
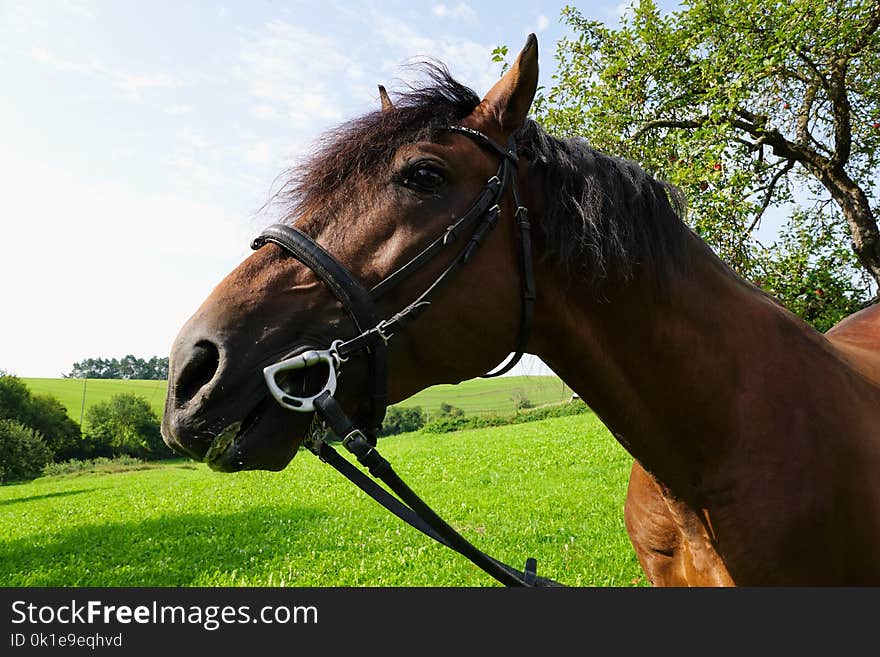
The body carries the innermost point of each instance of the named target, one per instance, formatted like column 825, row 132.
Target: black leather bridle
column 372, row 339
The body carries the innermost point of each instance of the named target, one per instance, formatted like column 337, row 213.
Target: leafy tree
column 448, row 410
column 520, row 400
column 23, row 454
column 127, row 367
column 49, row 417
column 43, row 413
column 127, row 425
column 744, row 105
column 400, row 420
column 15, row 396
column 812, row 271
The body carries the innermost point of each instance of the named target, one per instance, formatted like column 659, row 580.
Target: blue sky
column 140, row 140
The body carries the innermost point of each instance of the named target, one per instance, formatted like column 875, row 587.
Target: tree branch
column 812, row 66
column 770, row 188
column 871, row 26
column 781, row 146
column 802, row 131
column 840, row 113
column 667, row 123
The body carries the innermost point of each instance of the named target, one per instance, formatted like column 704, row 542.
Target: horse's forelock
column 348, row 160
column 604, row 216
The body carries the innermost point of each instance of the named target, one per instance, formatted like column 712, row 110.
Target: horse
column 755, row 438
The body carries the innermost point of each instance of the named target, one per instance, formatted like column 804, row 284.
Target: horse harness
column 372, row 339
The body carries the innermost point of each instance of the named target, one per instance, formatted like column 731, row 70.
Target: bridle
column 373, row 335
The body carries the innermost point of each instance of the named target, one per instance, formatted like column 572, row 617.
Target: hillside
column 474, row 396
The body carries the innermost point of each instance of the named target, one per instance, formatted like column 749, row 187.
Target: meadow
column 474, row 396
column 552, row 489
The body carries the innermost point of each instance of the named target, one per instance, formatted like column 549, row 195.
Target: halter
column 373, row 335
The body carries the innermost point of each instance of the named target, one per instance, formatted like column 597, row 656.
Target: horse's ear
column 511, row 97
column 387, row 105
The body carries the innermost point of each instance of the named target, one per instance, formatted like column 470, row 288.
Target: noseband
column 372, row 337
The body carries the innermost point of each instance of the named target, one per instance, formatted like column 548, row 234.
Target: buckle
column 355, row 435
column 381, row 331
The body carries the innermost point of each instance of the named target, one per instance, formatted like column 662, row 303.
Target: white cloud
column 175, row 110
column 468, row 61
column 280, row 67
column 196, row 159
column 265, row 112
column 461, row 11
column 131, row 85
column 543, row 22
column 620, row 10
column 78, row 8
column 260, row 152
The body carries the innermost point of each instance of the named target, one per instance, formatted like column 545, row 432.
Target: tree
column 448, row 410
column 744, row 105
column 126, row 424
column 127, row 367
column 400, row 420
column 23, row 454
column 810, row 269
column 47, row 415
column 43, row 413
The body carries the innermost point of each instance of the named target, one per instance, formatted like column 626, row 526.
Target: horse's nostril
column 197, row 371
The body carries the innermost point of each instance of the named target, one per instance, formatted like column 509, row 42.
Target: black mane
column 603, row 216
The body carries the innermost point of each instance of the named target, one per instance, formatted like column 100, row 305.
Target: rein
column 372, row 338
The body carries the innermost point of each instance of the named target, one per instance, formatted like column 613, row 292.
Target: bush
column 43, row 413
column 126, row 425
column 520, row 400
column 446, row 424
column 401, row 420
column 23, row 454
column 87, row 465
column 49, row 417
column 448, row 410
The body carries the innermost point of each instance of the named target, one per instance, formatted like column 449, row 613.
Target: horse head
column 380, row 190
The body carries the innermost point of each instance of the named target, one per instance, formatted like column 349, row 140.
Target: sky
column 140, row 142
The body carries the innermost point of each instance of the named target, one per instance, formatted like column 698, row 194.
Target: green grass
column 475, row 396
column 552, row 489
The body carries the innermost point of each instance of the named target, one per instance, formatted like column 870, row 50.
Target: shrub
column 127, row 425
column 86, row 465
column 448, row 410
column 401, row 420
column 23, row 454
column 520, row 400
column 575, row 407
column 446, row 424
column 43, row 413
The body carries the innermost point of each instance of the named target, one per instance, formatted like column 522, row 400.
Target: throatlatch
column 372, row 339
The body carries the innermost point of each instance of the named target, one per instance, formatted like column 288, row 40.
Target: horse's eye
column 423, row 178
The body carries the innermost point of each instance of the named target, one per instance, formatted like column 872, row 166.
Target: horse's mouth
column 228, row 450
column 241, row 445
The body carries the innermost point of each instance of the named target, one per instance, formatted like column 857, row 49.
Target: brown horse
column 756, row 439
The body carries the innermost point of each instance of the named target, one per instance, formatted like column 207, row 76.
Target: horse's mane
column 603, row 216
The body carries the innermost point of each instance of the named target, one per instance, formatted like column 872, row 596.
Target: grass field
column 70, row 391
column 475, row 396
column 552, row 489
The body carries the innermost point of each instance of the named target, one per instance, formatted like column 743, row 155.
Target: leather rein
column 372, row 339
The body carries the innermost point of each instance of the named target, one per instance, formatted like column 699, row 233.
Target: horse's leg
column 671, row 543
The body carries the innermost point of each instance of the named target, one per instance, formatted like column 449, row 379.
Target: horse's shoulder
column 858, row 337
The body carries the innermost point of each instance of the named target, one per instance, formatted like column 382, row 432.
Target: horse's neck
column 669, row 369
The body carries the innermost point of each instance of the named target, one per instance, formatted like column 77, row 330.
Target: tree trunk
column 857, row 212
